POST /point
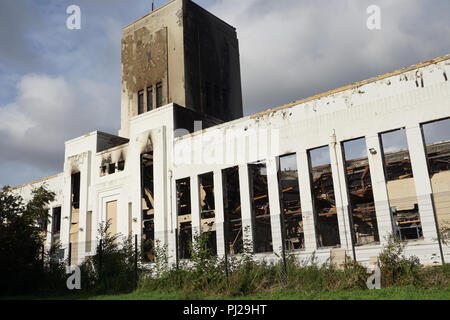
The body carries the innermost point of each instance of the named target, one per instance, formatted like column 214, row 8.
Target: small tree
column 22, row 236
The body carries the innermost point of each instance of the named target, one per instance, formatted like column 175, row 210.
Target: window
column 207, row 210
column 111, row 168
column 400, row 185
column 140, row 102
column 159, row 97
column 149, row 98
column 184, row 218
column 148, row 206
column 359, row 188
column 56, row 225
column 290, row 202
column 121, row 165
column 327, row 229
column 232, row 211
column 437, row 140
column 262, row 232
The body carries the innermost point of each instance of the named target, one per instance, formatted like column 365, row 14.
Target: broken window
column 400, row 185
column 148, row 206
column 232, row 211
column 75, row 181
column 262, row 232
column 359, row 187
column 149, row 98
column 111, row 168
column 437, row 140
column 140, row 102
column 56, row 225
column 207, row 210
column 290, row 202
column 159, row 95
column 184, row 218
column 327, row 228
column 121, row 165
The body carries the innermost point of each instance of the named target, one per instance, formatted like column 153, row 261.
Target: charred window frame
column 324, row 201
column 159, row 95
column 111, row 168
column 404, row 210
column 262, row 231
column 148, row 206
column 141, row 102
column 56, row 224
column 149, row 98
column 436, row 136
column 121, row 165
column 291, row 209
column 362, row 211
column 234, row 242
column 103, row 170
column 207, row 210
column 75, row 190
column 184, row 218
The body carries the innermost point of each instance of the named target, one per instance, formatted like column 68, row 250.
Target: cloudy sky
column 57, row 84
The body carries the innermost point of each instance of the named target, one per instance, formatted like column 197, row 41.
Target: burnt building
column 334, row 174
column 181, row 54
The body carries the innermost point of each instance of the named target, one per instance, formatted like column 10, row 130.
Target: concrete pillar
column 341, row 195
column 66, row 208
column 246, row 209
column 304, row 181
column 274, row 203
column 379, row 187
column 160, row 183
column 195, row 205
column 134, row 159
column 220, row 218
column 84, row 167
column 422, row 182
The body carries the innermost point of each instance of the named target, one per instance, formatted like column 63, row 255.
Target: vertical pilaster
column 379, row 189
column 246, row 209
column 422, row 181
column 220, row 217
column 274, row 203
column 195, row 205
column 304, row 181
column 340, row 193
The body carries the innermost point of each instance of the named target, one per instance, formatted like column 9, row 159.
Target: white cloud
column 293, row 49
column 50, row 110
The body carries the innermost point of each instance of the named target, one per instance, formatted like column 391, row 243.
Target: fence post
column 100, row 254
column 136, row 261
column 69, row 258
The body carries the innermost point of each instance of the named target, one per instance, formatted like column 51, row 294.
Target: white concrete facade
column 364, row 110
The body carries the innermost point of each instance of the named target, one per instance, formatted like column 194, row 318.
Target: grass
column 393, row 293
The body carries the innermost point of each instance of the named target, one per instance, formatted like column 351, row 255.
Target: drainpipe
column 333, row 144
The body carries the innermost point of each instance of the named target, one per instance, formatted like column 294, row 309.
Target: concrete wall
column 159, row 33
column 363, row 110
column 212, row 67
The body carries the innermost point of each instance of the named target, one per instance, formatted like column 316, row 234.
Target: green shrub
column 396, row 268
